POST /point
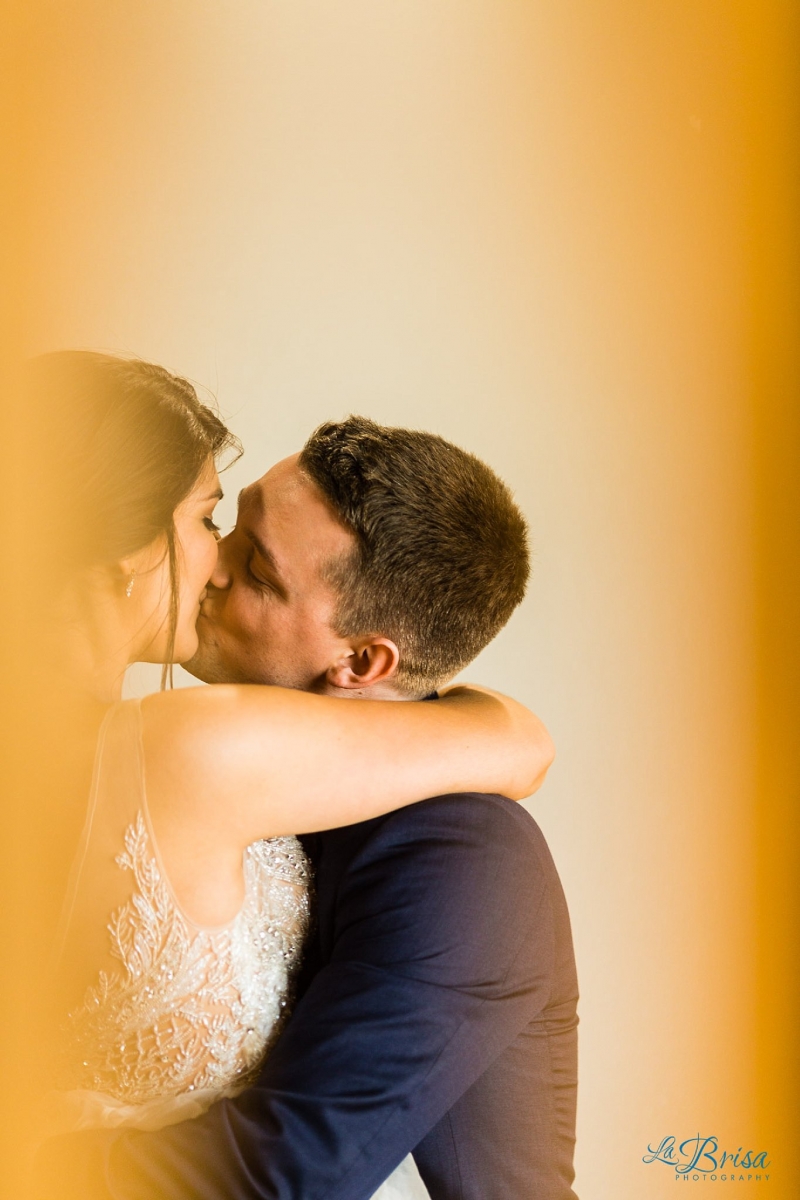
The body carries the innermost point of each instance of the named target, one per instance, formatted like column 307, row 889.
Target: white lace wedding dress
column 169, row 1016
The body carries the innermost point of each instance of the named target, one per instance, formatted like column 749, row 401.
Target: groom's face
column 267, row 617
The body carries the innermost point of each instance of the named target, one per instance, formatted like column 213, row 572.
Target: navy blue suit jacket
column 437, row 1013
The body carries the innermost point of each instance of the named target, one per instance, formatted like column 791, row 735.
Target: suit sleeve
column 442, row 953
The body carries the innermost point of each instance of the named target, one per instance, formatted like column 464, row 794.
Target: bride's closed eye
column 212, row 526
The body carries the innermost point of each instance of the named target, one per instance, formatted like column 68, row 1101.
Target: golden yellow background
column 561, row 235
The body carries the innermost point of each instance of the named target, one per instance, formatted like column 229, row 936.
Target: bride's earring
column 129, row 585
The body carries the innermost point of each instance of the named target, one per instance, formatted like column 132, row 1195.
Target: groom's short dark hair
column 441, row 559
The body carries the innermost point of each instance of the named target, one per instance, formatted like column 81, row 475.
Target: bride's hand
column 530, row 752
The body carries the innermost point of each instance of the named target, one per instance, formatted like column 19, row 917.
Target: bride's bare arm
column 247, row 762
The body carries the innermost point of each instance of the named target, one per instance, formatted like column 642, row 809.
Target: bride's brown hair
column 128, row 441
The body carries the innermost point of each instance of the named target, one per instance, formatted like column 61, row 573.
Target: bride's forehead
column 206, row 489
column 211, row 490
column 207, row 479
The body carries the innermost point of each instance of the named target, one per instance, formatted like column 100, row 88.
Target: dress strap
column 79, row 862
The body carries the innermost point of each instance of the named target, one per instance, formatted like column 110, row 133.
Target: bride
column 188, row 897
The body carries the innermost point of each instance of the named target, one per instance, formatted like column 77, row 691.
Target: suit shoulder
column 485, row 850
column 471, row 806
column 491, row 818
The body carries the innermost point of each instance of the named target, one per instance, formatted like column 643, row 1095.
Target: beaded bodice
column 186, row 1008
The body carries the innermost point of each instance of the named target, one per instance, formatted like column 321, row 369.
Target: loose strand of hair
column 167, row 678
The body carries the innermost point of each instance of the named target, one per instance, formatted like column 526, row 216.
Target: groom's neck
column 377, row 691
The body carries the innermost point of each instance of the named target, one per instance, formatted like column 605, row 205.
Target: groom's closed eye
column 262, row 568
column 253, row 572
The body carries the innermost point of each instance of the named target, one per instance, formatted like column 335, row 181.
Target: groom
column 436, row 1012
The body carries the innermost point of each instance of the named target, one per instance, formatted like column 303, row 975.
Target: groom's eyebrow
column 249, row 497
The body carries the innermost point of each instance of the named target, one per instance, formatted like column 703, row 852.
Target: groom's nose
column 220, row 577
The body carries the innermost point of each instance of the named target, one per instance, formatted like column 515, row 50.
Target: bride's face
column 196, row 545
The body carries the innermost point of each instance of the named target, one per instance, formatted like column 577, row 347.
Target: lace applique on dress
column 190, row 1008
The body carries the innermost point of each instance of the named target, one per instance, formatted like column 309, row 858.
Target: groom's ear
column 366, row 663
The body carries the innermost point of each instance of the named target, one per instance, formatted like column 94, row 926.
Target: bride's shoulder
column 210, row 704
column 235, row 757
column 225, row 707
column 212, row 755
column 198, row 724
